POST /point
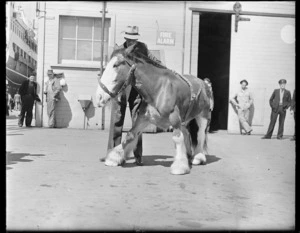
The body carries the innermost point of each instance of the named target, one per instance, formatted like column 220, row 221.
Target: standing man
column 52, row 90
column 211, row 100
column 17, row 99
column 118, row 109
column 28, row 96
column 243, row 100
column 293, row 111
column 280, row 101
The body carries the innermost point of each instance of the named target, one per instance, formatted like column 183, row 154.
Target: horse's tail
column 193, row 130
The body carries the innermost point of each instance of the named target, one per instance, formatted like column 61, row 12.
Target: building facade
column 199, row 38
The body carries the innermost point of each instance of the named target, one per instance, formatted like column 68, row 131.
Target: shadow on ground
column 165, row 160
column 13, row 158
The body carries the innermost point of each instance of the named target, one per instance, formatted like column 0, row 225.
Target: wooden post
column 102, row 58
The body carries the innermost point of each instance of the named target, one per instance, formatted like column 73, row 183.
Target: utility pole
column 102, row 57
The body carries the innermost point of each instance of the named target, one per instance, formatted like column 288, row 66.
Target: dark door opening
column 214, row 62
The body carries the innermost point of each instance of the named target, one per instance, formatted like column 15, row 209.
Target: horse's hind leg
column 199, row 154
column 180, row 165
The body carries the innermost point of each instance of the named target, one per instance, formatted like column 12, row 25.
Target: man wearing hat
column 280, row 101
column 52, row 90
column 28, row 92
column 118, row 110
column 243, row 100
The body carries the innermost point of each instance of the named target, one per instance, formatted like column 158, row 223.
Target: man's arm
column 272, row 98
column 250, row 99
column 233, row 100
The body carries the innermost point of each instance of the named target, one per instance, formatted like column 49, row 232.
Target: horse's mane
column 138, row 55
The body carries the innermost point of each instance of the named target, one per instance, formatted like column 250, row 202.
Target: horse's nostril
column 100, row 97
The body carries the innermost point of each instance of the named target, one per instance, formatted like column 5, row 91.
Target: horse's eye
column 115, row 65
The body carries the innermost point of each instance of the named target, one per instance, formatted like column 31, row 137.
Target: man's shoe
column 249, row 133
column 279, row 138
column 265, row 137
column 28, row 126
column 20, row 125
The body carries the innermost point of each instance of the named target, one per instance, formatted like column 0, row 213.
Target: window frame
column 76, row 39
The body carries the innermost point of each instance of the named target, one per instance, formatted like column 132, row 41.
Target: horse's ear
column 116, row 46
column 130, row 48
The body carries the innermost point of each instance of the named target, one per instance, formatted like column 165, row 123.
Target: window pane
column 97, row 49
column 68, row 27
column 84, row 50
column 67, row 49
column 85, row 27
column 97, row 30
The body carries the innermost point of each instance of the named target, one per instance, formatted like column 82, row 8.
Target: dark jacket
column 24, row 87
column 293, row 104
column 275, row 99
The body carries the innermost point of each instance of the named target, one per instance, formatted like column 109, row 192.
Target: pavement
column 55, row 181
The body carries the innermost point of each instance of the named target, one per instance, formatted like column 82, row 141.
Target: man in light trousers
column 243, row 100
column 52, row 90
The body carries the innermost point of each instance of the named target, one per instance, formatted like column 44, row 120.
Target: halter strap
column 126, row 83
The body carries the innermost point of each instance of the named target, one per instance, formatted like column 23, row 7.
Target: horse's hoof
column 111, row 163
column 179, row 168
column 115, row 157
column 199, row 159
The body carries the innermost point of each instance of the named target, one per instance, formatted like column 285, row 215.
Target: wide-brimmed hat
column 282, row 81
column 244, row 80
column 131, row 32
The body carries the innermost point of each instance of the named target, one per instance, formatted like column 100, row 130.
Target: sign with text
column 165, row 38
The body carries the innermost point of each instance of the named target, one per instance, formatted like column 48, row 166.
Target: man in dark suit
column 280, row 101
column 28, row 96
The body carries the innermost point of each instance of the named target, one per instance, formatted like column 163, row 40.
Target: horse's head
column 116, row 76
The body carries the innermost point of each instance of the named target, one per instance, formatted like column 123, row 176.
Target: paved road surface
column 56, row 182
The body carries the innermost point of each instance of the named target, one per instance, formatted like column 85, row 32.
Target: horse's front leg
column 180, row 165
column 120, row 153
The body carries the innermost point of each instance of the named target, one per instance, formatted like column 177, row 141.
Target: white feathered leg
column 180, row 165
column 115, row 157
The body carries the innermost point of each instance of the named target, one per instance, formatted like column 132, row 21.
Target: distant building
column 200, row 38
column 21, row 57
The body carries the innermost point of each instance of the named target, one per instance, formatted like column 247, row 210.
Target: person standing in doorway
column 280, row 101
column 293, row 111
column 17, row 99
column 52, row 91
column 28, row 94
column 243, row 100
column 211, row 100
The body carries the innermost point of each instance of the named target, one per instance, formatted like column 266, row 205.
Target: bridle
column 126, row 83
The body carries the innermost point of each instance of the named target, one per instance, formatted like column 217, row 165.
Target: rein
column 126, row 83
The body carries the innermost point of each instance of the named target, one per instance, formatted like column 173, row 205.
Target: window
column 80, row 38
column 25, row 55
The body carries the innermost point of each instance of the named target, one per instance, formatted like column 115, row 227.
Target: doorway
column 214, row 62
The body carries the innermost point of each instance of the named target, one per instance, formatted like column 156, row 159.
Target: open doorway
column 214, row 62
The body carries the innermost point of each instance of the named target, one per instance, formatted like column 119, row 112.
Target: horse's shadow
column 163, row 160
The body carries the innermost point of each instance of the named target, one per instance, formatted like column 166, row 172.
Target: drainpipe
column 43, row 65
column 183, row 39
column 102, row 51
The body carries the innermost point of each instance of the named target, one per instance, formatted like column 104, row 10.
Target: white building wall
column 263, row 52
column 82, row 79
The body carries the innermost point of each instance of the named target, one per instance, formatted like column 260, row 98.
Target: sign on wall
column 165, row 38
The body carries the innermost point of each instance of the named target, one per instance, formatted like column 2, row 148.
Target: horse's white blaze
column 108, row 79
